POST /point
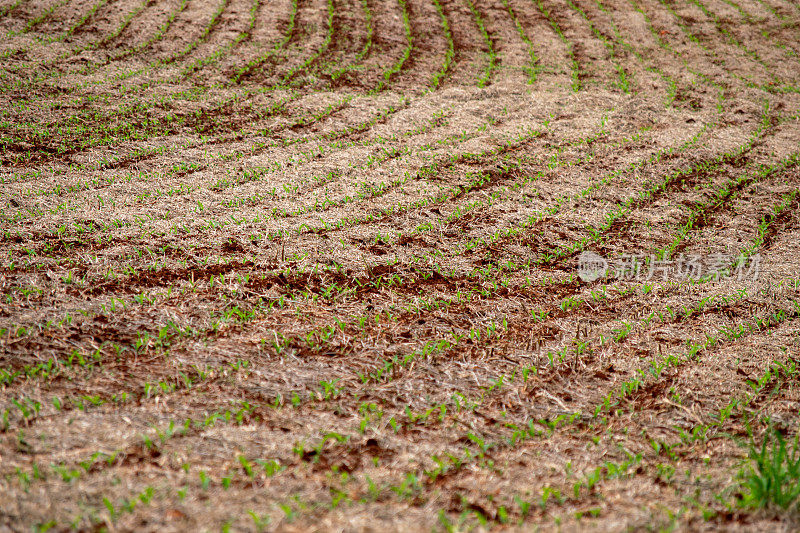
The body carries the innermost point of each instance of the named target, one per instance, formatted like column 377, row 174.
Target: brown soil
column 265, row 267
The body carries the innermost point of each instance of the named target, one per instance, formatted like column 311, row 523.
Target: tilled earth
column 296, row 265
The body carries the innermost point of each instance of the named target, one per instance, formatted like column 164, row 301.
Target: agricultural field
column 399, row 265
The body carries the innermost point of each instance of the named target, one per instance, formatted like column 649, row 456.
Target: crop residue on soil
column 314, row 264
